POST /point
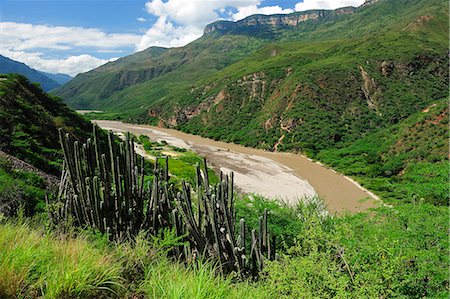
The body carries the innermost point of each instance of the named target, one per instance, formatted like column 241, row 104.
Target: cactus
column 105, row 190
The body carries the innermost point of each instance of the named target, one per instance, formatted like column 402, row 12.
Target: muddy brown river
column 284, row 176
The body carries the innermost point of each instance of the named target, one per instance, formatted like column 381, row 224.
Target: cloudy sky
column 66, row 36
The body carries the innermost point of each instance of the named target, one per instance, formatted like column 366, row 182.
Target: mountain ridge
column 317, row 86
column 275, row 21
column 9, row 66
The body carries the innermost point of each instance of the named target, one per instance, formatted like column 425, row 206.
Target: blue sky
column 75, row 36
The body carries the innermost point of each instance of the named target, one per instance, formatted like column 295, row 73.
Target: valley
column 204, row 149
column 283, row 176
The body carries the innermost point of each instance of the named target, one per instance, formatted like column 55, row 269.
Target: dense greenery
column 29, row 122
column 20, row 188
column 406, row 161
column 46, row 81
column 315, row 88
column 389, row 252
column 182, row 162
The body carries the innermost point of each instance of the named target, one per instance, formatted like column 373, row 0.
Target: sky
column 74, row 36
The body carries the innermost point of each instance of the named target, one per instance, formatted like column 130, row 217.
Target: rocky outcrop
column 370, row 90
column 274, row 21
column 14, row 163
column 369, row 2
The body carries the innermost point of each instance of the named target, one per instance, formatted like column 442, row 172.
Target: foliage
column 29, row 122
column 399, row 252
column 35, row 264
column 408, row 161
column 20, row 188
column 104, row 190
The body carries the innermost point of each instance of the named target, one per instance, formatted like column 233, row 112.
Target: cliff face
column 275, row 21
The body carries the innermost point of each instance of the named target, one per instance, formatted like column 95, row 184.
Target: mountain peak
column 278, row 21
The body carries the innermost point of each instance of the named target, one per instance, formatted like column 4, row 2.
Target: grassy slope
column 29, row 122
column 408, row 160
column 173, row 69
column 382, row 253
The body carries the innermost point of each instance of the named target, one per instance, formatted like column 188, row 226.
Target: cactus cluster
column 105, row 191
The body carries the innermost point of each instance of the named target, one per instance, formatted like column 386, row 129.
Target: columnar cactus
column 105, row 190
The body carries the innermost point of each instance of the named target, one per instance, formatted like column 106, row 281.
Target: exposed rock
column 270, row 123
column 280, row 141
column 426, row 110
column 368, row 2
column 255, row 84
column 370, row 89
column 418, row 23
column 288, row 71
column 274, row 21
column 387, row 68
column 288, row 125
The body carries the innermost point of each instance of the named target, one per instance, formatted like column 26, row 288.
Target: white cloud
column 246, row 11
column 326, row 4
column 23, row 36
column 141, row 19
column 71, row 65
column 22, row 41
column 165, row 34
column 182, row 21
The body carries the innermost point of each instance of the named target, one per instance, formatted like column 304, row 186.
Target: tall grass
column 34, row 264
column 399, row 252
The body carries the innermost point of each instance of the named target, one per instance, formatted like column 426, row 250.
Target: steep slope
column 60, row 78
column 306, row 96
column 407, row 160
column 320, row 85
column 30, row 154
column 29, row 122
column 151, row 74
column 9, row 66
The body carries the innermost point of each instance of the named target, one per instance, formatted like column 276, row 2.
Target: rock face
column 274, row 21
column 369, row 2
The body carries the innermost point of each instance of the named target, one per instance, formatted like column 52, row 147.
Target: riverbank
column 284, row 176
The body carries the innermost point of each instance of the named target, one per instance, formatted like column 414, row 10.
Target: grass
column 35, row 264
column 182, row 162
column 399, row 252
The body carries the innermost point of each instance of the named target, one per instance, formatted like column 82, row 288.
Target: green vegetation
column 358, row 92
column 29, row 123
column 408, row 161
column 182, row 162
column 20, row 188
column 332, row 89
column 388, row 252
column 104, row 190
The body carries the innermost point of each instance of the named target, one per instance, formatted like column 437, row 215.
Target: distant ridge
column 9, row 66
column 60, row 78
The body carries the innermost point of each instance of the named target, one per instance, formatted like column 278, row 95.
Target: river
column 284, row 176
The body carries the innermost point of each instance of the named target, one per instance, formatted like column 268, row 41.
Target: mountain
column 305, row 82
column 29, row 122
column 9, row 66
column 60, row 78
column 408, row 159
column 172, row 69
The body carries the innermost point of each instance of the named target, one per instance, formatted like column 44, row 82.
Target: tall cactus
column 105, row 190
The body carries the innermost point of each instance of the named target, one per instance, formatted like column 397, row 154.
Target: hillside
column 29, row 122
column 282, row 84
column 408, row 160
column 157, row 72
column 60, row 78
column 9, row 66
